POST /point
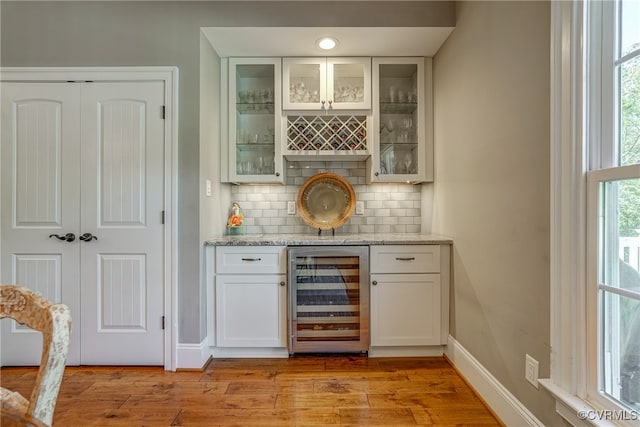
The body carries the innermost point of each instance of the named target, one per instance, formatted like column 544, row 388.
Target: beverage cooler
column 328, row 299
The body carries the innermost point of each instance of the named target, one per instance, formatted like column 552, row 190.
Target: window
column 613, row 209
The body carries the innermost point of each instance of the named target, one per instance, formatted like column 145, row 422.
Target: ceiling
column 300, row 41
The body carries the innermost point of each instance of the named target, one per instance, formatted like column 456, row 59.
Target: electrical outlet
column 531, row 370
column 291, row 208
column 360, row 207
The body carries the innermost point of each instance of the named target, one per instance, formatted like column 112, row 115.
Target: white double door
column 82, row 215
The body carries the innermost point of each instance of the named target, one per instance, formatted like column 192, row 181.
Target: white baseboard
column 505, row 405
column 192, row 356
column 250, row 352
column 424, row 351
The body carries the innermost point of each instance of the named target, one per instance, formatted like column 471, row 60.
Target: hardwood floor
column 299, row 391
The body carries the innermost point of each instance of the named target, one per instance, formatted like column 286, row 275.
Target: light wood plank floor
column 299, row 391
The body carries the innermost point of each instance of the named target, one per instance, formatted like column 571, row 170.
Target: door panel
column 123, row 293
column 37, row 147
column 40, row 151
column 122, row 202
column 121, row 140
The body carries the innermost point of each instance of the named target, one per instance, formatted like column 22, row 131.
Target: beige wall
column 213, row 207
column 491, row 190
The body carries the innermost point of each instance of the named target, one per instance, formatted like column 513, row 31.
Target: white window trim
column 570, row 321
column 568, row 213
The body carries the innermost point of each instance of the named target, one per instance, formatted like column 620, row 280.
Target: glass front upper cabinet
column 326, row 84
column 254, row 120
column 402, row 142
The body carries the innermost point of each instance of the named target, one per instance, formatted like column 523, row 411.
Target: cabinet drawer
column 251, row 259
column 405, row 259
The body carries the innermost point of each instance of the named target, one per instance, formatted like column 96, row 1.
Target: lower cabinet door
column 251, row 311
column 405, row 309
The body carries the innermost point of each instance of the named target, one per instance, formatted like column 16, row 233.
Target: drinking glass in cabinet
column 348, row 83
column 304, row 85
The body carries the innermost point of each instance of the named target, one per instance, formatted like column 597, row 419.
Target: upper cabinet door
column 402, row 119
column 326, row 84
column 304, row 83
column 349, row 83
column 254, row 121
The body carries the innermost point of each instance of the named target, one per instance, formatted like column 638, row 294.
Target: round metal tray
column 326, row 201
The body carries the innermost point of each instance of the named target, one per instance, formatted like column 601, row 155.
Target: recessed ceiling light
column 327, row 43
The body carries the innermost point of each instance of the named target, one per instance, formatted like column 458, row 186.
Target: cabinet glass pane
column 255, row 119
column 348, row 83
column 398, row 119
column 304, row 83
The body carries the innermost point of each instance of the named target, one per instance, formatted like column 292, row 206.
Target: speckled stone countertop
column 327, row 239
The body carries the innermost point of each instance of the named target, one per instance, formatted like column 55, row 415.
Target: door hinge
column 164, row 112
column 162, row 322
column 162, row 217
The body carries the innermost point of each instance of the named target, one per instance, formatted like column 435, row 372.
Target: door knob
column 69, row 237
column 87, row 237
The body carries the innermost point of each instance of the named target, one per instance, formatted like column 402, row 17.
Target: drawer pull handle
column 405, row 259
column 252, row 259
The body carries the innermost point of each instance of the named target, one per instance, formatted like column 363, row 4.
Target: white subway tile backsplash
column 374, row 220
column 389, row 208
column 405, row 220
column 256, row 197
column 390, row 220
column 381, row 196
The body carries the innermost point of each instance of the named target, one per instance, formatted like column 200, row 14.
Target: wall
column 491, row 191
column 211, row 214
column 388, row 208
column 146, row 33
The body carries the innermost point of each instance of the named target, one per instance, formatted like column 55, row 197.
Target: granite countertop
column 328, row 239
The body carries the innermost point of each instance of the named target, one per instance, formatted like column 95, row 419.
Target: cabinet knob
column 330, row 106
column 375, row 282
column 277, row 173
column 377, row 173
column 322, row 105
column 282, row 283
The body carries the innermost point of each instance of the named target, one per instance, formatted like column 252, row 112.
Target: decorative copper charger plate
column 326, row 201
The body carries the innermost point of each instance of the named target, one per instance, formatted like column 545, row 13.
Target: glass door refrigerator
column 328, row 299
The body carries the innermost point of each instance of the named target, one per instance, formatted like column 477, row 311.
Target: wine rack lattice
column 326, row 133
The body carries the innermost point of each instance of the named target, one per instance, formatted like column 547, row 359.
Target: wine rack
column 326, row 133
